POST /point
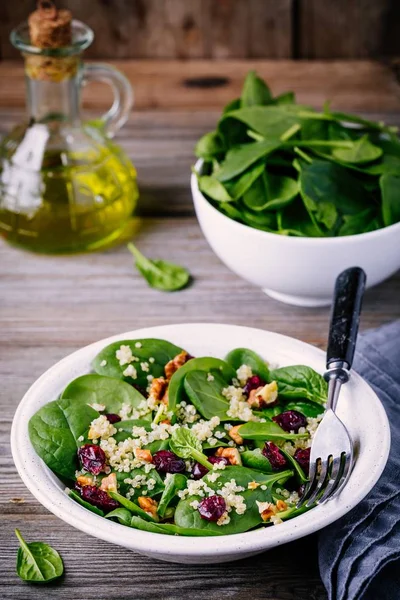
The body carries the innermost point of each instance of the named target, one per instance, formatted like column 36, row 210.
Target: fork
column 332, row 453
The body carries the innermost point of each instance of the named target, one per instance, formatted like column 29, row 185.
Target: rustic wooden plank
column 207, row 85
column 172, row 28
column 343, row 29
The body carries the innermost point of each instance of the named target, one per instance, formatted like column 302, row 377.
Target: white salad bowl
column 359, row 408
column 295, row 270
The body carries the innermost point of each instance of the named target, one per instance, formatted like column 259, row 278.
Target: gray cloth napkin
column 359, row 555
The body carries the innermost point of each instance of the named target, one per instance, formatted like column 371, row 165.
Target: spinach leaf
column 270, row 121
column 187, row 516
column 360, row 223
column 255, row 91
column 106, row 362
column 37, row 562
column 362, row 151
column 206, row 395
column 213, row 188
column 255, row 459
column 132, row 507
column 124, row 428
column 99, row 389
column 271, row 192
column 244, row 356
column 160, row 274
column 122, row 514
column 295, row 220
column 173, row 484
column 300, row 381
column 124, row 487
column 389, row 185
column 254, row 430
column 306, row 407
column 209, row 146
column 239, row 186
column 265, row 221
column 54, row 431
column 186, row 445
column 176, row 392
column 240, row 158
column 170, row 529
column 75, row 496
column 293, row 464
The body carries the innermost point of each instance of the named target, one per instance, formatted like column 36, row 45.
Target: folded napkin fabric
column 359, row 555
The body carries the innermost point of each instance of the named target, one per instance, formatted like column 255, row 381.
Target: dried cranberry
column 212, row 508
column 199, row 470
column 275, row 456
column 97, row 497
column 303, row 458
column 253, row 383
column 112, row 418
column 168, row 462
column 218, row 459
column 291, row 420
column 92, row 458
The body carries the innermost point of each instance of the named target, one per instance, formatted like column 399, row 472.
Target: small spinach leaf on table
column 122, row 514
column 206, row 395
column 244, row 356
column 100, row 389
column 173, row 485
column 186, row 445
column 106, row 362
column 267, row 431
column 38, row 562
column 390, row 187
column 176, row 391
column 75, row 496
column 54, row 431
column 160, row 274
column 300, row 381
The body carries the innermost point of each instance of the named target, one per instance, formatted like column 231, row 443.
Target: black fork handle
column 345, row 317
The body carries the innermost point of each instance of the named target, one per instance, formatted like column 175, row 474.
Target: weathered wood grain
column 343, row 29
column 201, row 85
column 172, row 28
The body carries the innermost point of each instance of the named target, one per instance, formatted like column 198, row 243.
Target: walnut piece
column 232, row 454
column 173, row 365
column 235, row 435
column 148, row 504
column 109, row 483
column 264, row 395
column 143, row 455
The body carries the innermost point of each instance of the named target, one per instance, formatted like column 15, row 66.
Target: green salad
column 283, row 167
column 158, row 440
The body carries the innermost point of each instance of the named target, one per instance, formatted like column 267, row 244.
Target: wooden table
column 50, row 306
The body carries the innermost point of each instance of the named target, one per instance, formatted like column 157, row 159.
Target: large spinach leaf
column 300, row 381
column 390, row 187
column 244, row 356
column 153, row 353
column 240, row 158
column 176, row 391
column 99, row 389
column 255, row 91
column 205, row 393
column 173, row 485
column 267, row 431
column 54, row 431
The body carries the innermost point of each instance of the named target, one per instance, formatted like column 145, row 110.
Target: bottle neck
column 50, row 101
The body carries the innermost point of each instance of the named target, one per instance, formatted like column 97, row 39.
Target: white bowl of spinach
column 288, row 196
column 161, row 438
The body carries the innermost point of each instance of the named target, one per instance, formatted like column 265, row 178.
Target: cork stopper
column 50, row 27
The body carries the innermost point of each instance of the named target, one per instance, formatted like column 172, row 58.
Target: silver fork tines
column 331, row 455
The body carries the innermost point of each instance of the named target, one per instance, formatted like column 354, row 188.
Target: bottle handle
column 117, row 115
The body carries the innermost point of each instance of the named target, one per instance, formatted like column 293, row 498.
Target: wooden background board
column 227, row 28
column 363, row 86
